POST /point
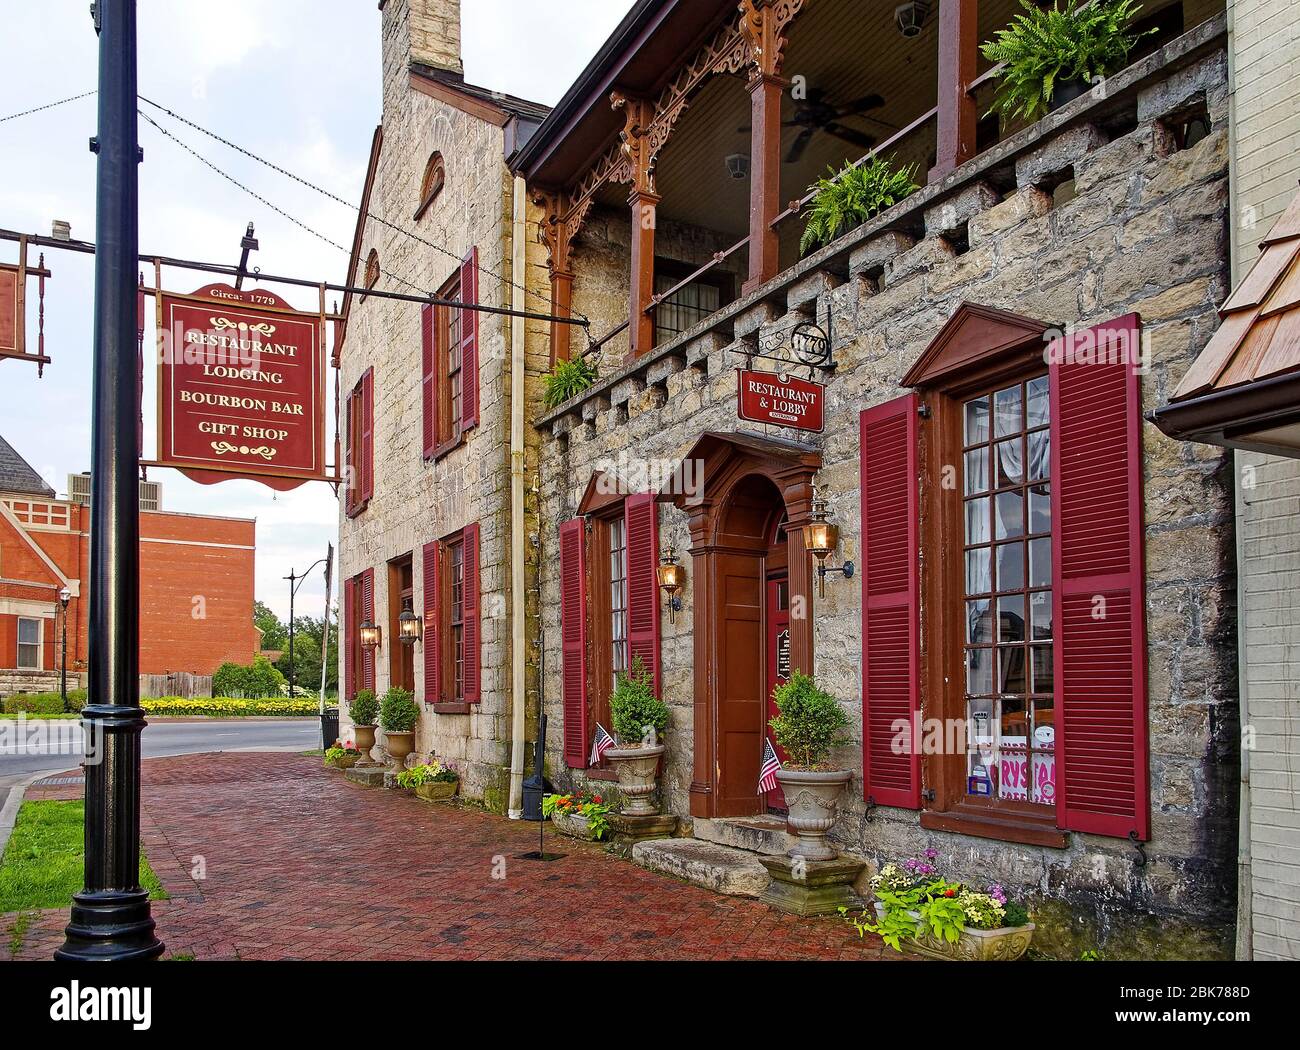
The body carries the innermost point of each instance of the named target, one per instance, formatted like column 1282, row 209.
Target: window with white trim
column 29, row 643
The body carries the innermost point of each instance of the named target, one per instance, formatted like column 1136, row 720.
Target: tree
column 306, row 654
column 275, row 635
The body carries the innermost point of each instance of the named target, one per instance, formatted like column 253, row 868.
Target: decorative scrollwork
column 225, row 448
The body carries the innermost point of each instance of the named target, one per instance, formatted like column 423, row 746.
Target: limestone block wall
column 1146, row 232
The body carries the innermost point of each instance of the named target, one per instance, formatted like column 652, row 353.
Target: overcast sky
column 296, row 81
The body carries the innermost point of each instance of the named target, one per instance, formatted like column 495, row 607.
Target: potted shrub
column 433, row 782
column 640, row 719
column 397, row 717
column 1053, row 55
column 364, row 712
column 342, row 757
column 578, row 815
column 851, row 196
column 809, row 723
column 567, row 380
column 917, row 905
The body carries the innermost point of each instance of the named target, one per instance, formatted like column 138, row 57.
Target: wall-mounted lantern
column 410, row 628
column 370, row 635
column 821, row 538
column 672, row 578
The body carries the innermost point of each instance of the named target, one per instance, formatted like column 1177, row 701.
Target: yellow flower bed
column 228, row 707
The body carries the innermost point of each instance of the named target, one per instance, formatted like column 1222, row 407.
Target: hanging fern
column 1047, row 47
column 851, row 196
column 567, row 380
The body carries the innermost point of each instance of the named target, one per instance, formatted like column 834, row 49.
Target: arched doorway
column 751, row 575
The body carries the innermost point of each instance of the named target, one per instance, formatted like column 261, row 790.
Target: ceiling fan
column 815, row 114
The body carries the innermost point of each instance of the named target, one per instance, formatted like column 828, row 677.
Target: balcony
column 706, row 301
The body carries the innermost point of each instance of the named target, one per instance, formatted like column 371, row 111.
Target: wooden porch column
column 640, row 147
column 958, row 52
column 561, row 306
column 766, row 92
column 557, row 232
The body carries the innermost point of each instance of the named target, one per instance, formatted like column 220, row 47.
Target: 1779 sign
column 785, row 401
column 241, row 387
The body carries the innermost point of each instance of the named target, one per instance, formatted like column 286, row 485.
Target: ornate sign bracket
column 803, row 344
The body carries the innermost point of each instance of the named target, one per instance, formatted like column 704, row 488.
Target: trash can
column 329, row 727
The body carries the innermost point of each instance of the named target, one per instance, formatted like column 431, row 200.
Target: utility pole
column 296, row 581
column 111, row 919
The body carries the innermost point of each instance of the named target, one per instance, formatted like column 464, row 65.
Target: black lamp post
column 295, row 582
column 110, row 919
column 65, row 596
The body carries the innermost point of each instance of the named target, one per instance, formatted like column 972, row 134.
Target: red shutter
column 469, row 342
column 353, row 481
column 368, row 435
column 368, row 613
column 432, row 625
column 428, row 385
column 1099, row 600
column 573, row 639
column 642, row 515
column 349, row 637
column 471, row 622
column 891, row 654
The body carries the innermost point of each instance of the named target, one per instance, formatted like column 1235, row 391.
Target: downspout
column 518, row 610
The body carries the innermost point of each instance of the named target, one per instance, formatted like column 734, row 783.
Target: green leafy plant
column 258, row 680
column 810, row 722
column 364, row 709
column 1047, row 47
column 567, row 380
column 398, row 712
column 339, row 753
column 432, row 773
column 594, row 808
column 852, row 195
column 633, row 706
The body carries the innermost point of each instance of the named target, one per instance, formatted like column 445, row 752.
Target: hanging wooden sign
column 13, row 309
column 241, row 387
column 766, row 397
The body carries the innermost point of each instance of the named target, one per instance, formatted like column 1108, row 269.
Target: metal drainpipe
column 518, row 611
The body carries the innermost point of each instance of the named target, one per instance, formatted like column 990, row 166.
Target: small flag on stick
column 600, row 745
column 771, row 764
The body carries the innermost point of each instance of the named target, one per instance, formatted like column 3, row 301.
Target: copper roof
column 1260, row 334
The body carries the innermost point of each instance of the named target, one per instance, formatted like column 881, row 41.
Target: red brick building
column 196, row 584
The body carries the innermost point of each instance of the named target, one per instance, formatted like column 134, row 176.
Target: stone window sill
column 1003, row 827
column 451, row 708
column 448, row 447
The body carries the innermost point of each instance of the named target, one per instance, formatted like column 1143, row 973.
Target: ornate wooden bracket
column 761, row 48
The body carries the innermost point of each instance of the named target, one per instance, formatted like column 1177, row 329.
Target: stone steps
column 763, row 835
column 721, row 869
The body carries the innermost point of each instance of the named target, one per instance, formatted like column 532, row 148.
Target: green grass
column 18, row 933
column 43, row 863
column 33, row 718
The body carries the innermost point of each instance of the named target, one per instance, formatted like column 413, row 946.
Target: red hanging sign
column 766, row 397
column 241, row 388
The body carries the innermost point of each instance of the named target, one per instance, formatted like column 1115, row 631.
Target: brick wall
column 1264, row 58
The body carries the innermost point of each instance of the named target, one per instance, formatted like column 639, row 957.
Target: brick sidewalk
column 301, row 864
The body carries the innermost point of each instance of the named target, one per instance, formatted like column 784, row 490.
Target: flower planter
column 574, row 825
column 637, row 769
column 812, row 800
column 346, row 762
column 399, row 746
column 1066, row 92
column 1002, row 945
column 437, row 791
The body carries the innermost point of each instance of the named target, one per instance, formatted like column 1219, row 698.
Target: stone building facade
column 440, row 210
column 1103, row 210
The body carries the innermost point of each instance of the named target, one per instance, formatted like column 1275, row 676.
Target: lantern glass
column 409, row 626
column 369, row 635
column 821, row 537
column 670, row 578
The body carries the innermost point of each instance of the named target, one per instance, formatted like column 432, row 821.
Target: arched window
column 435, row 177
column 372, row 269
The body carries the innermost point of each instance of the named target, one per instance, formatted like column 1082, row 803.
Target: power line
column 48, row 105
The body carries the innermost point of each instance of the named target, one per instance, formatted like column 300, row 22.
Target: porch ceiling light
column 410, row 628
column 370, row 634
column 738, row 166
column 910, row 17
column 672, row 578
column 821, row 539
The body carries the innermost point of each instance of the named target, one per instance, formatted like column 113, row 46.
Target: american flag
column 767, row 775
column 600, row 745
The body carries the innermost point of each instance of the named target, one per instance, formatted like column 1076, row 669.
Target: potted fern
column 1051, row 56
column 640, row 719
column 397, row 717
column 848, row 198
column 809, row 723
column 567, row 380
column 364, row 712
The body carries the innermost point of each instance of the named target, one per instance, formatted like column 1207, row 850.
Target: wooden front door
column 778, row 664
column 741, row 687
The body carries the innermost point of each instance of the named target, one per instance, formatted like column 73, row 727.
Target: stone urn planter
column 637, row 769
column 365, row 743
column 573, row 825
column 438, row 791
column 1002, row 945
column 399, row 746
column 346, row 762
column 812, row 800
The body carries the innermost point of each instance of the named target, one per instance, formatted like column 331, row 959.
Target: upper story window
column 359, row 444
column 372, row 269
column 435, row 177
column 449, row 363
